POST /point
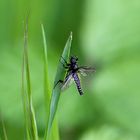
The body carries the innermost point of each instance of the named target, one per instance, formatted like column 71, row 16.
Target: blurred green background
column 106, row 34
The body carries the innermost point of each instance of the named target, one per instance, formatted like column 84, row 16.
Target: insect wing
column 67, row 82
column 84, row 70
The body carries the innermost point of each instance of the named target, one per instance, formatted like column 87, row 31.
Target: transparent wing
column 67, row 82
column 84, row 70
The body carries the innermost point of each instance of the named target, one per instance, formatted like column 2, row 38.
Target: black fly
column 73, row 72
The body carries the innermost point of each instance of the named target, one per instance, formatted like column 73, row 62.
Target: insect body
column 73, row 72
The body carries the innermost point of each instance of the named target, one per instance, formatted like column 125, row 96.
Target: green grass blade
column 3, row 134
column 25, row 99
column 56, row 91
column 30, row 110
column 47, row 91
column 25, row 102
column 4, row 131
column 55, row 130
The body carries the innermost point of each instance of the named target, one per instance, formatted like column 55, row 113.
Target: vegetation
column 105, row 35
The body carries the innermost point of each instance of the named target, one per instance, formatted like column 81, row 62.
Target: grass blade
column 4, row 131
column 25, row 98
column 3, row 134
column 28, row 106
column 47, row 91
column 56, row 91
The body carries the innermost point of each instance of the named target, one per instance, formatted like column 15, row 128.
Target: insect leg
column 64, row 65
column 59, row 81
column 64, row 60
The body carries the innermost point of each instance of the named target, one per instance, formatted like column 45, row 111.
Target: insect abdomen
column 77, row 81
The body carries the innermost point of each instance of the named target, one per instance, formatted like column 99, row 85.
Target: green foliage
column 3, row 133
column 30, row 121
column 47, row 90
column 31, row 127
column 57, row 88
column 106, row 32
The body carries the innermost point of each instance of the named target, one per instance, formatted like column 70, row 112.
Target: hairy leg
column 59, row 81
column 65, row 64
column 64, row 60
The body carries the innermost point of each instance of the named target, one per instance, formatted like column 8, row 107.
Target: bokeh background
column 106, row 34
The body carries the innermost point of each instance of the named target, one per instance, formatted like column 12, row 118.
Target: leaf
column 56, row 91
column 3, row 133
column 31, row 128
column 47, row 91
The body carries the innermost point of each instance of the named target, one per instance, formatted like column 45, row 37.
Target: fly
column 72, row 73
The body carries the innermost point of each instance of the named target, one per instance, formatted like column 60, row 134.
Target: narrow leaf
column 56, row 91
column 29, row 110
column 3, row 133
column 24, row 94
column 47, row 91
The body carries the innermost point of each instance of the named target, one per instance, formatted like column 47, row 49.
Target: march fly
column 73, row 71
